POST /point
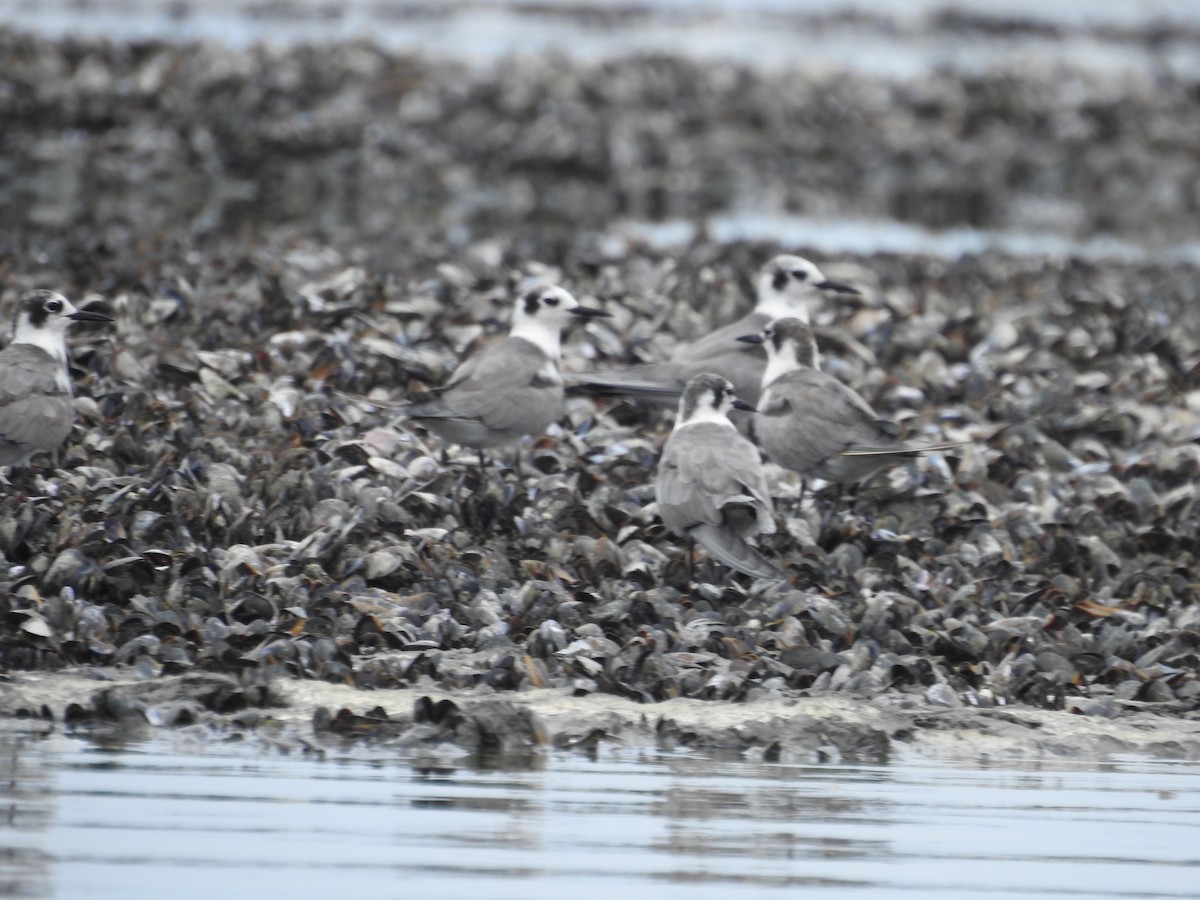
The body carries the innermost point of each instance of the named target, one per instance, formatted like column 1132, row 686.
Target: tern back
column 710, row 483
column 811, row 423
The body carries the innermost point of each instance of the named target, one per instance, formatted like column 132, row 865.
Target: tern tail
column 908, row 450
column 729, row 548
column 602, row 384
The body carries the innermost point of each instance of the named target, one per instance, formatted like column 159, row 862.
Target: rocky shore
column 293, row 240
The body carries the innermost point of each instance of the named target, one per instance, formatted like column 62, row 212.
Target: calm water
column 159, row 819
column 889, row 236
column 763, row 33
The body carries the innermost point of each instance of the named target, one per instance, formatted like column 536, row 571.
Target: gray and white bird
column 786, row 286
column 815, row 425
column 710, row 486
column 511, row 388
column 36, row 410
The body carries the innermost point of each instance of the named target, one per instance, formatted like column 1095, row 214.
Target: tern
column 511, row 388
column 36, row 409
column 813, row 424
column 710, row 486
column 786, row 286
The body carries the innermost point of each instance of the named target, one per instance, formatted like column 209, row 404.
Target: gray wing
column 35, row 411
column 909, row 448
column 705, row 468
column 718, row 341
column 720, row 353
column 731, row 549
column 820, row 416
column 656, row 383
column 842, row 418
column 509, row 386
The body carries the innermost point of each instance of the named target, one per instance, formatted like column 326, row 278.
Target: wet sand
column 827, row 728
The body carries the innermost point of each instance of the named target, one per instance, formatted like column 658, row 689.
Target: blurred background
column 846, row 127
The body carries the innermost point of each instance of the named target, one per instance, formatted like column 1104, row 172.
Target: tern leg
column 800, row 499
column 482, row 467
column 827, row 519
column 26, row 480
column 456, row 494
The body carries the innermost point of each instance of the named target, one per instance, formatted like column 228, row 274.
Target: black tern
column 711, row 485
column 786, row 285
column 512, row 388
column 36, row 411
column 811, row 423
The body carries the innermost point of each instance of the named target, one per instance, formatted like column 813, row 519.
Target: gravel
column 295, row 240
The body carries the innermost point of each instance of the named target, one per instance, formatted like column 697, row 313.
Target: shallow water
column 866, row 236
column 184, row 821
column 893, row 41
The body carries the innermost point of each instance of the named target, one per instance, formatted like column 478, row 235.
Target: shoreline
column 323, row 717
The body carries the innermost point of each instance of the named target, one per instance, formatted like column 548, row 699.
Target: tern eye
column 53, row 306
column 799, row 274
column 550, row 300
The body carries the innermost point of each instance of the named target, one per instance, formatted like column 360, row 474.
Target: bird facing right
column 786, row 286
column 711, row 485
column 511, row 388
column 36, row 410
column 811, row 423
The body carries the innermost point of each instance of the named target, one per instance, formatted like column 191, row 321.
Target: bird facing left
column 36, row 411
